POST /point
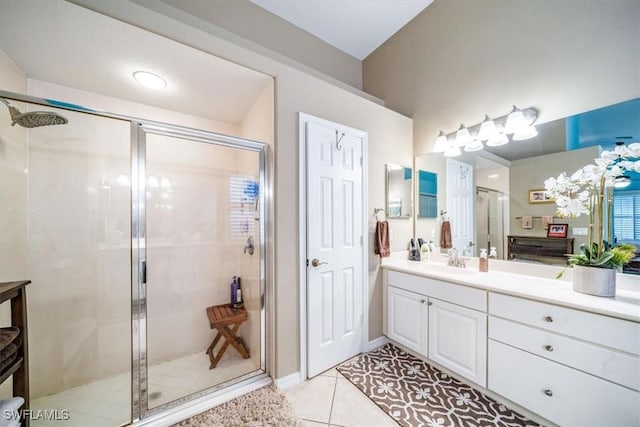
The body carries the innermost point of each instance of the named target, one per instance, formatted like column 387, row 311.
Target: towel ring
column 376, row 211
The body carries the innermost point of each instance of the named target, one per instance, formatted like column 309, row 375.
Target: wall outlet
column 579, row 231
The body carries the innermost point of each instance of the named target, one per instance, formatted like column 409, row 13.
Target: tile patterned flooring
column 331, row 400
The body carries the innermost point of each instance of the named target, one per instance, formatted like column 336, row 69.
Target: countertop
column 539, row 287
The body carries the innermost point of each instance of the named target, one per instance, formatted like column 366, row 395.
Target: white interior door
column 335, row 282
column 460, row 190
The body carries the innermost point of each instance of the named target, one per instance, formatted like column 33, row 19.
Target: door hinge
column 360, row 160
column 307, row 262
column 361, row 240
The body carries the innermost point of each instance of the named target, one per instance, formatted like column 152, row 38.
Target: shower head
column 34, row 119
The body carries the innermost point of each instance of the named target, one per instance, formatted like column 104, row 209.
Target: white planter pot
column 594, row 281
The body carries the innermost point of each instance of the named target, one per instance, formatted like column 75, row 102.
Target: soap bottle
column 493, row 253
column 425, row 252
column 239, row 302
column 483, row 262
column 234, row 291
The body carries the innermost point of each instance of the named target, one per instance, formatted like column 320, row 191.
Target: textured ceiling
column 62, row 43
column 355, row 27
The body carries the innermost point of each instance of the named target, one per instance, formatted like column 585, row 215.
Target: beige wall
column 390, row 140
column 461, row 59
column 529, row 174
column 281, row 39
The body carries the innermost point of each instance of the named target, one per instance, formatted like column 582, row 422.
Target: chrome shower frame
column 140, row 412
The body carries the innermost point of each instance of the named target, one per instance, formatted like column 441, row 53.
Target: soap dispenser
column 414, row 252
column 493, row 253
column 483, row 262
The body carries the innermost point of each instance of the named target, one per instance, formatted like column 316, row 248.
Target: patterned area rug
column 415, row 393
column 263, row 407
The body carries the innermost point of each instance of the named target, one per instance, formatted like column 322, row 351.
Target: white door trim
column 303, row 118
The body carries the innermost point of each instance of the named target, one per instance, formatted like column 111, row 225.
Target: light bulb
column 474, row 145
column 452, row 150
column 441, row 143
column 498, row 140
column 515, row 121
column 463, row 137
column 527, row 132
column 487, row 129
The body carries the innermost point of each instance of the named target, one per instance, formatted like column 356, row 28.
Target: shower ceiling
column 65, row 44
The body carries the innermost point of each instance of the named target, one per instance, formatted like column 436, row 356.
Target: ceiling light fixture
column 622, row 181
column 150, row 80
column 518, row 123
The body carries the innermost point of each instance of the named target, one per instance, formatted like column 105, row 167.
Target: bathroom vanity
column 570, row 358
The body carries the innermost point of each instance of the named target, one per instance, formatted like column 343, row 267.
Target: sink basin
column 444, row 269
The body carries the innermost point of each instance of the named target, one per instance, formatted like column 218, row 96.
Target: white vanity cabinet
column 407, row 319
column 458, row 339
column 442, row 321
column 570, row 366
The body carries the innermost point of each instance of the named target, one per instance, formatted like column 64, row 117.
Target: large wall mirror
column 399, row 191
column 506, row 175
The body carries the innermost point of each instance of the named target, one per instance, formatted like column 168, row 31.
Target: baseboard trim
column 288, row 381
column 377, row 342
column 182, row 412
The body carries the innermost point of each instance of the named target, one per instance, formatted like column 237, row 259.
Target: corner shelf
column 19, row 368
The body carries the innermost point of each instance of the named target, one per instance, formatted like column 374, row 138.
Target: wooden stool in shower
column 226, row 320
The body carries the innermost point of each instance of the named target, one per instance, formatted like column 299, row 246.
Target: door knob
column 316, row 262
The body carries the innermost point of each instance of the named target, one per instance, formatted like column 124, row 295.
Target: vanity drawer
column 558, row 393
column 608, row 331
column 445, row 291
column 615, row 366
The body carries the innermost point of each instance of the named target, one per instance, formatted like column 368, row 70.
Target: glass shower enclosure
column 129, row 230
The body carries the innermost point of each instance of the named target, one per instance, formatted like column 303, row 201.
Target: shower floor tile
column 107, row 403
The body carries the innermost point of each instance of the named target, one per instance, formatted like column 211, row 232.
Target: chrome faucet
column 455, row 260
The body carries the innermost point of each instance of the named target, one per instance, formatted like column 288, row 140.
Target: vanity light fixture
column 441, row 143
column 474, row 145
column 463, row 136
column 150, row 80
column 518, row 123
column 453, row 150
column 487, row 129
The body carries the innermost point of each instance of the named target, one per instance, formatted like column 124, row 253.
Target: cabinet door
column 407, row 319
column 458, row 340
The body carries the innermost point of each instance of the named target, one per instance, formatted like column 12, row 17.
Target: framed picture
column 539, row 196
column 557, row 230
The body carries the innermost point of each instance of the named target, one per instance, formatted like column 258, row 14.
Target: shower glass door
column 200, row 224
column 490, row 219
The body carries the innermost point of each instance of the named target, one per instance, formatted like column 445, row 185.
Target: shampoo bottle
column 239, row 302
column 234, row 290
column 483, row 262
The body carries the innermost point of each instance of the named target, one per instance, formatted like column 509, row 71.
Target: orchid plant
column 589, row 191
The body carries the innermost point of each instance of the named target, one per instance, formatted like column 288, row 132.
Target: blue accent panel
column 60, row 104
column 407, row 173
column 573, row 132
column 427, row 195
column 427, row 183
column 605, row 126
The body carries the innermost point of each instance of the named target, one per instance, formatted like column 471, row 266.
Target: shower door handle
column 143, row 273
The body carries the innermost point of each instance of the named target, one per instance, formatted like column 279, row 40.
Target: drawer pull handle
column 430, row 303
column 548, row 318
column 548, row 347
column 548, row 392
column 422, row 301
